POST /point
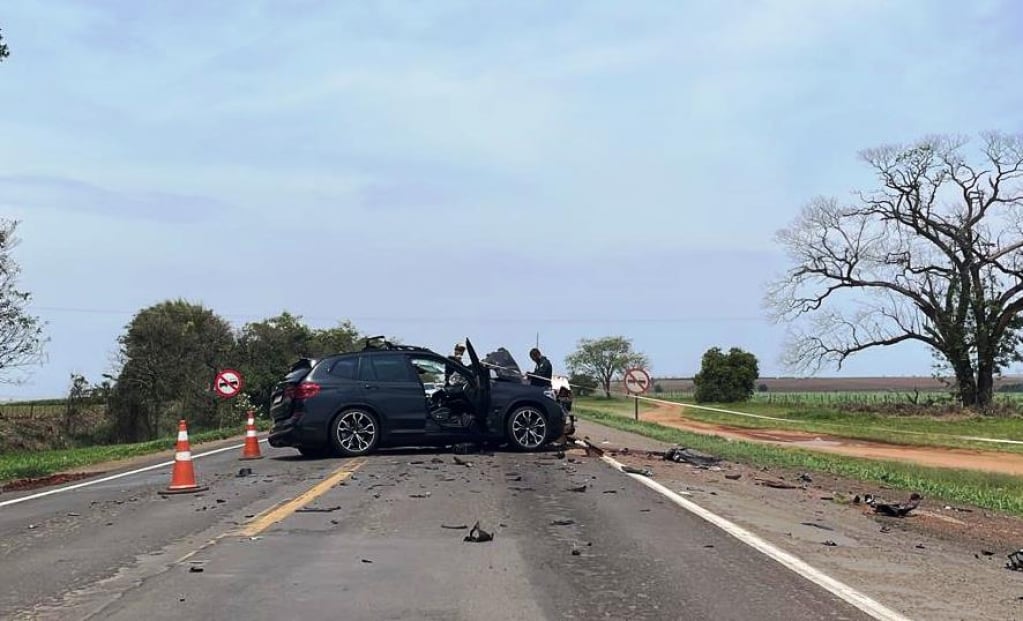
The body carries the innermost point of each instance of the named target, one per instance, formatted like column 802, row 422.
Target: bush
column 761, row 387
column 658, row 388
column 726, row 378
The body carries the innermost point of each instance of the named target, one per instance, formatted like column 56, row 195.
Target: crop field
column 845, row 397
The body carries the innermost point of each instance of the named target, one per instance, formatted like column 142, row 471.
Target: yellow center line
column 282, row 510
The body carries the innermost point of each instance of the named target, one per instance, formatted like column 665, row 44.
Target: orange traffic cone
column 183, row 476
column 251, row 449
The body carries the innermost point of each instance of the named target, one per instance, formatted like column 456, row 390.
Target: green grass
column 862, row 397
column 915, row 430
column 15, row 466
column 990, row 491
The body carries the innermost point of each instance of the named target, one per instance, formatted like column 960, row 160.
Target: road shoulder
column 931, row 564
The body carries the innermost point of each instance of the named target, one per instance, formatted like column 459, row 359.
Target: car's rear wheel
column 528, row 428
column 354, row 432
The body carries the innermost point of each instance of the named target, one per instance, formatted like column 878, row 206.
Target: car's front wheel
column 528, row 428
column 354, row 432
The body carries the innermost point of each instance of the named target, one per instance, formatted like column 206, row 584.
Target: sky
column 435, row 170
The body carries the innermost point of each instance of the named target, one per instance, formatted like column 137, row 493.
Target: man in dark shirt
column 542, row 373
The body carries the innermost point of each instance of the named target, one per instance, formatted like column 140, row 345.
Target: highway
column 383, row 538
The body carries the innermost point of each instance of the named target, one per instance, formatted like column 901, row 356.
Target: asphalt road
column 373, row 544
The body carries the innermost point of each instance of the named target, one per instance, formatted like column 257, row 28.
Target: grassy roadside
column 990, row 491
column 14, row 466
column 915, row 430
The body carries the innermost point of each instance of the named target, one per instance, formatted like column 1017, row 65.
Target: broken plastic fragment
column 478, row 535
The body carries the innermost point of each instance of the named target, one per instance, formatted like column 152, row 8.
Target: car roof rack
column 381, row 343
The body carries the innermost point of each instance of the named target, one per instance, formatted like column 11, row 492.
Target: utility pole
column 538, row 340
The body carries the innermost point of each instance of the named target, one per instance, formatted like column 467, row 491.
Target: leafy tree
column 605, row 359
column 170, row 354
column 4, row 52
column 21, row 334
column 582, row 385
column 933, row 255
column 726, row 378
column 268, row 348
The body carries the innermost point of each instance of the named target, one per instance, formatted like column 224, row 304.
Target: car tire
column 527, row 428
column 354, row 432
column 314, row 452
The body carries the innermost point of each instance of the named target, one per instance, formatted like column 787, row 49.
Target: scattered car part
column 775, row 484
column 641, row 471
column 689, row 456
column 1015, row 561
column 478, row 535
column 898, row 509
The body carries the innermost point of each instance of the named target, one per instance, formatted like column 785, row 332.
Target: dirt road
column 963, row 459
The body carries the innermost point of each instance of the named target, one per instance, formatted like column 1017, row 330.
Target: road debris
column 462, row 462
column 689, row 456
column 367, row 561
column 581, row 488
column 921, row 546
column 733, row 477
column 318, row 509
column 465, row 448
column 886, row 529
column 610, row 491
column 816, row 525
column 243, row 472
column 478, row 535
column 897, row 509
column 1015, row 561
column 830, row 544
column 195, row 569
column 72, row 514
column 424, row 495
column 576, row 552
column 774, row 483
column 454, row 526
column 641, row 471
column 436, row 460
column 562, row 522
column 805, row 478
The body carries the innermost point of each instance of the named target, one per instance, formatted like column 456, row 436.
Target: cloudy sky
column 439, row 169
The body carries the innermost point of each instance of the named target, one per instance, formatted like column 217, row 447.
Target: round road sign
column 228, row 383
column 637, row 381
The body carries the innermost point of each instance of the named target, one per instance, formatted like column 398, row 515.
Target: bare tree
column 21, row 334
column 933, row 255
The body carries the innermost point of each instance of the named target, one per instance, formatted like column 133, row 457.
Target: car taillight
column 305, row 390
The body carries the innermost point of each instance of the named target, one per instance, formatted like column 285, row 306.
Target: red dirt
column 961, row 459
column 21, row 485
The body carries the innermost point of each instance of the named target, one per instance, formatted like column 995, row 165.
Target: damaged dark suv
column 386, row 395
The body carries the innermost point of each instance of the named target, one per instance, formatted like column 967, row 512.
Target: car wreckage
column 352, row 403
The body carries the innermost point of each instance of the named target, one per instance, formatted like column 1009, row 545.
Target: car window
column 344, row 368
column 385, row 368
column 430, row 371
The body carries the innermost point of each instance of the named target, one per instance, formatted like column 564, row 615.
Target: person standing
column 541, row 375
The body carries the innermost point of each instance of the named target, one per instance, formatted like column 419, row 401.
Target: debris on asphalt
column 516, row 488
column 897, row 509
column 576, row 552
column 987, row 552
column 74, row 514
column 733, row 477
column 805, row 478
column 709, row 545
column 1015, row 561
column 560, row 454
column 436, row 460
column 220, row 501
column 334, row 522
column 644, row 510
column 478, row 535
column 515, row 478
column 562, row 522
column 610, row 491
column 318, row 509
column 454, row 526
column 921, row 546
column 424, row 495
column 581, row 488
column 816, row 525
column 465, row 448
column 462, row 462
column 367, row 561
column 886, row 529
column 195, row 569
column 641, row 471
column 960, row 509
column 416, row 462
column 244, row 472
column 773, row 483
column 830, row 544
column 689, row 456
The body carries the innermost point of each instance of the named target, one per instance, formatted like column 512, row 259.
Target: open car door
column 480, row 400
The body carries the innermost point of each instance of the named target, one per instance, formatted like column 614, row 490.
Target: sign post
column 637, row 382
column 228, row 384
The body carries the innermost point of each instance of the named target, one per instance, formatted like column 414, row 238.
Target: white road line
column 839, row 589
column 68, row 488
